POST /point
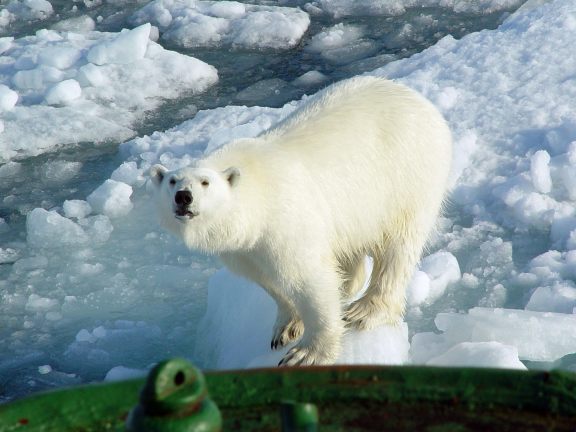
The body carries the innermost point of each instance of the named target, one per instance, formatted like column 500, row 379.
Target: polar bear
column 359, row 169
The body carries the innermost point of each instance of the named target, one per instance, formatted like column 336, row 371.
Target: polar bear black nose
column 183, row 197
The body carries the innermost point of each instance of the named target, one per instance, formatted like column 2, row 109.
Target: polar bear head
column 195, row 203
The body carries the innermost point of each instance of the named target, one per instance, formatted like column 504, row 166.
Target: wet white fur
column 360, row 169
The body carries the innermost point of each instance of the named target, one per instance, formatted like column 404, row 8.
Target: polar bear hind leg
column 395, row 258
column 353, row 274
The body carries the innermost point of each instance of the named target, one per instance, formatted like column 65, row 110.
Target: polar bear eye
column 172, row 181
column 205, row 183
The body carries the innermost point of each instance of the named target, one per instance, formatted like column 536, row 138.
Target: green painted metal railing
column 327, row 398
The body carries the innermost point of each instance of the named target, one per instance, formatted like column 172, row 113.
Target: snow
column 111, row 79
column 92, row 286
column 192, row 23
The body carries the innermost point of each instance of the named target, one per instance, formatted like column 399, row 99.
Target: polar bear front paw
column 286, row 332
column 302, row 355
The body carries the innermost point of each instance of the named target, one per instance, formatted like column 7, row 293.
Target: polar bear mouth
column 182, row 213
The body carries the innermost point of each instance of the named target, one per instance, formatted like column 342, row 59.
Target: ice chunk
column 8, row 255
column 91, row 75
column 31, row 263
column 227, row 9
column 442, row 269
column 335, row 37
column 79, row 24
column 479, row 354
column 60, row 57
column 419, row 289
column 560, row 297
column 108, row 99
column 384, row 345
column 309, row 79
column 342, row 8
column 122, row 373
column 538, row 336
column 112, row 199
column 540, row 171
column 8, row 98
column 30, row 9
column 98, row 228
column 99, row 332
column 209, row 23
column 64, row 92
column 108, row 345
column 342, row 44
column 271, row 29
column 5, row 43
column 76, row 209
column 230, row 334
column 127, row 47
column 36, row 303
column 261, row 90
column 59, row 171
column 447, row 98
column 10, row 169
column 128, row 173
column 44, row 369
column 85, row 336
column 237, row 327
column 30, row 79
column 47, row 229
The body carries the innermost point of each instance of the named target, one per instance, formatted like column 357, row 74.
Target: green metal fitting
column 298, row 417
column 174, row 399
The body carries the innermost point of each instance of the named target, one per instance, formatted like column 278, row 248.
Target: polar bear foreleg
column 319, row 306
column 288, row 327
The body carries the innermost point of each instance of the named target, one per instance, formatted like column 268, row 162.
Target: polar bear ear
column 232, row 175
column 157, row 174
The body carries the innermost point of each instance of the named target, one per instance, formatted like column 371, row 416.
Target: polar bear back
column 356, row 159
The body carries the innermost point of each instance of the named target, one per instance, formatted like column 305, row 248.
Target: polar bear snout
column 183, row 198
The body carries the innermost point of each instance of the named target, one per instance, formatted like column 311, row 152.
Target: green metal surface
column 347, row 399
